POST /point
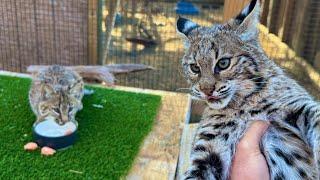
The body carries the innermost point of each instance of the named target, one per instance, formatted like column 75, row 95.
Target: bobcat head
column 60, row 107
column 61, row 91
column 225, row 63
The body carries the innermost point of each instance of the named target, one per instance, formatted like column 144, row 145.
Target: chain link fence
column 43, row 32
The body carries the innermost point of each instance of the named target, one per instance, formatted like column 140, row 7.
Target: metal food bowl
column 56, row 139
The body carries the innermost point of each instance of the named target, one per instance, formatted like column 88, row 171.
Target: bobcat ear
column 184, row 27
column 245, row 23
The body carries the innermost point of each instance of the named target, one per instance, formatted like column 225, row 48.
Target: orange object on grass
column 47, row 151
column 30, row 146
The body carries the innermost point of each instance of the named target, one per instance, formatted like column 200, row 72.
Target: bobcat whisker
column 184, row 90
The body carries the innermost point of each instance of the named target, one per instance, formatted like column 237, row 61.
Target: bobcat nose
column 64, row 118
column 207, row 90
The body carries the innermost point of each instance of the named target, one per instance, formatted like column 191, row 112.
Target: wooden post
column 111, row 18
column 277, row 10
column 282, row 17
column 317, row 60
column 233, row 7
column 312, row 43
column 269, row 9
column 101, row 35
column 92, row 32
column 152, row 24
column 265, row 12
column 298, row 40
column 134, row 29
column 288, row 22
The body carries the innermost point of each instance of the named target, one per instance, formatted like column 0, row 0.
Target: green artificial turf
column 109, row 138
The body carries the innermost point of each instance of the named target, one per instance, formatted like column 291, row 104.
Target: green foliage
column 109, row 138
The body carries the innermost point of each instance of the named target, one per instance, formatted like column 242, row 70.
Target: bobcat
column 56, row 92
column 227, row 68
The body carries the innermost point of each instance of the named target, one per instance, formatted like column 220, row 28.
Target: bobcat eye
column 70, row 109
column 43, row 109
column 56, row 110
column 223, row 64
column 195, row 68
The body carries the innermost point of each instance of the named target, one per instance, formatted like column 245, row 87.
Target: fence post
column 278, row 12
column 265, row 12
column 101, row 35
column 92, row 32
column 113, row 8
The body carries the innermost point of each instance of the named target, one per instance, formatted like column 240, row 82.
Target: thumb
column 251, row 139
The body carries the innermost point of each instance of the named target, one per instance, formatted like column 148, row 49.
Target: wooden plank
column 271, row 2
column 158, row 157
column 289, row 24
column 265, row 12
column 280, row 18
column 232, row 8
column 311, row 28
column 284, row 9
column 274, row 18
column 298, row 40
column 93, row 31
column 317, row 60
column 187, row 140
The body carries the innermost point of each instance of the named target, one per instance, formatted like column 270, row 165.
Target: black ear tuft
column 245, row 24
column 185, row 26
column 246, row 11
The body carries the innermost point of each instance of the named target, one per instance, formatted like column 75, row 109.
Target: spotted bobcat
column 227, row 68
column 57, row 92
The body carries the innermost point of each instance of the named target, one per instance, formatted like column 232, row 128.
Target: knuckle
column 244, row 145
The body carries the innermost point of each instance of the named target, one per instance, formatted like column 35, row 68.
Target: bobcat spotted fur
column 227, row 68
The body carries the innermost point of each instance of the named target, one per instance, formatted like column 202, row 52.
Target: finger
column 256, row 131
column 251, row 138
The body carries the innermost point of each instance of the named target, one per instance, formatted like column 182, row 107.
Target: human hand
column 249, row 163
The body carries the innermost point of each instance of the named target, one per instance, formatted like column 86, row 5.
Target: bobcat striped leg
column 207, row 164
column 211, row 154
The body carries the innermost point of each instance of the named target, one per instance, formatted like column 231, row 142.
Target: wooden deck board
column 159, row 154
column 185, row 150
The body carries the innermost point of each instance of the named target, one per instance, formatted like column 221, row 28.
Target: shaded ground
column 109, row 138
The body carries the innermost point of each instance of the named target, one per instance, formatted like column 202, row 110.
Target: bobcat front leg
column 212, row 154
column 40, row 119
